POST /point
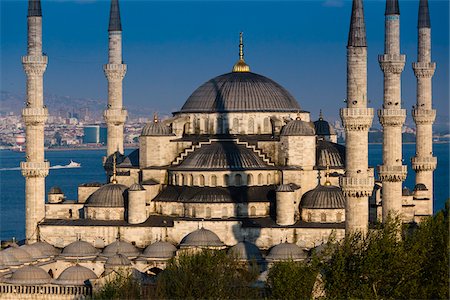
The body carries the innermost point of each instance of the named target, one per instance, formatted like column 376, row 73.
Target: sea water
column 12, row 183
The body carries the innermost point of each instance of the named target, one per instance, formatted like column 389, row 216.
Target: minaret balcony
column 115, row 116
column 392, row 63
column 392, row 117
column 34, row 169
column 34, row 115
column 357, row 187
column 356, row 119
column 31, row 59
column 428, row 163
column 392, row 173
column 115, row 71
column 424, row 69
column 424, row 116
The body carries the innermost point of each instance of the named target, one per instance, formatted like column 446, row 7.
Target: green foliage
column 206, row 275
column 292, row 280
column 122, row 286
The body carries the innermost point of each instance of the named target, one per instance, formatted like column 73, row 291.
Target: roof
column 286, row 251
column 55, row 190
column 109, row 195
column 29, row 275
column 323, row 127
column 20, row 254
column 131, row 160
column 222, row 155
column 8, row 259
column 121, row 247
column 117, row 260
column 323, row 197
column 156, row 129
column 201, row 238
column 357, row 32
column 298, row 128
column 159, row 250
column 240, row 92
column 195, row 194
column 392, row 7
column 75, row 275
column 79, row 249
column 329, row 154
column 114, row 17
column 245, row 251
column 406, row 192
column 34, row 8
column 136, row 187
column 285, row 188
column 420, row 187
column 424, row 15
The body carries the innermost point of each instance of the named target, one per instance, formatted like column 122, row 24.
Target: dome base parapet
column 34, row 115
column 34, row 65
column 424, row 69
column 114, row 72
column 424, row 163
column 35, row 169
column 115, row 116
column 423, row 116
column 357, row 187
column 392, row 117
column 392, row 63
column 356, row 119
column 392, row 173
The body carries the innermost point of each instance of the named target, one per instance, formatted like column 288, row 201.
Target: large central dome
column 240, row 92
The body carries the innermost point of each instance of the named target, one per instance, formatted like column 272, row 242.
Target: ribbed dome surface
column 156, row 129
column 29, row 275
column 212, row 195
column 298, row 128
column 286, row 251
column 323, row 196
column 109, row 195
column 55, row 190
column 35, row 252
column 117, row 260
column 201, row 238
column 75, row 275
column 237, row 92
column 79, row 249
column 20, row 254
column 285, row 188
column 136, row 187
column 245, row 251
column 323, row 127
column 329, row 154
column 223, row 155
column 120, row 247
column 8, row 259
column 46, row 248
column 420, row 187
column 160, row 250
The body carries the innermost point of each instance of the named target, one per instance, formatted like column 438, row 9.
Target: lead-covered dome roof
column 286, row 251
column 324, row 197
column 160, row 250
column 156, row 129
column 75, row 275
column 109, row 195
column 245, row 251
column 121, row 247
column 79, row 249
column 329, row 154
column 29, row 275
column 240, row 92
column 201, row 238
column 298, row 128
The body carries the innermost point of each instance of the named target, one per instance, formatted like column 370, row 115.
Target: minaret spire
column 34, row 8
column 357, row 33
column 424, row 15
column 241, row 66
column 114, row 17
column 392, row 7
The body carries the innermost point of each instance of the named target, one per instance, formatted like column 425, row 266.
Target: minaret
column 34, row 115
column 115, row 115
column 392, row 116
column 424, row 163
column 357, row 184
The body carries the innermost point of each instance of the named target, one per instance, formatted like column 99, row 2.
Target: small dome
column 79, row 249
column 156, row 129
column 420, row 187
column 285, row 188
column 20, row 254
column 286, row 251
column 29, row 275
column 120, row 247
column 329, row 154
column 8, row 259
column 406, row 192
column 75, row 275
column 298, row 128
column 246, row 251
column 322, row 127
column 201, row 238
column 136, row 187
column 35, row 252
column 46, row 248
column 323, row 196
column 160, row 250
column 117, row 260
column 109, row 195
column 55, row 190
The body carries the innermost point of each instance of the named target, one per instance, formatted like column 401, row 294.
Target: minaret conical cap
column 34, row 8
column 424, row 15
column 357, row 33
column 114, row 17
column 392, row 7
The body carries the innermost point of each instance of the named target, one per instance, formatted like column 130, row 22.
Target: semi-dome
column 20, row 254
column 329, row 154
column 286, row 251
column 159, row 250
column 156, row 129
column 109, row 195
column 120, row 247
column 323, row 197
column 79, row 249
column 245, row 251
column 240, row 92
column 201, row 238
column 29, row 275
column 75, row 275
column 298, row 128
column 223, row 155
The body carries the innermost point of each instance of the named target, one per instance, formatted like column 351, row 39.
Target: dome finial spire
column 320, row 115
column 155, row 117
column 241, row 66
column 327, row 176
column 114, row 180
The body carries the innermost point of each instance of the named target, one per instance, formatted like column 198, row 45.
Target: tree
column 122, row 285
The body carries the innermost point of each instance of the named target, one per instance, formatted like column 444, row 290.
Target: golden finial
column 155, row 117
column 299, row 116
column 320, row 115
column 241, row 66
column 327, row 176
column 114, row 180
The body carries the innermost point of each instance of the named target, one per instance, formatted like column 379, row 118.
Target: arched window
column 107, row 215
column 260, row 179
column 252, row 211
column 190, row 179
column 50, row 272
column 70, row 213
column 251, row 126
column 208, row 213
column 206, row 122
column 238, row 211
column 193, row 212
column 211, row 126
column 323, row 217
column 249, row 179
column 220, row 125
column 213, row 180
column 94, row 214
column 269, row 178
column 175, row 179
column 201, row 180
column 224, row 212
column 238, row 179
column 235, row 126
column 197, row 126
column 186, row 128
column 309, row 217
column 226, row 180
column 182, row 179
column 339, row 217
column 174, row 211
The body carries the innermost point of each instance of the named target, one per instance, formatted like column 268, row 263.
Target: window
column 208, row 213
column 226, row 179
column 235, row 126
column 193, row 212
column 224, row 212
column 251, row 126
column 213, row 180
column 309, row 217
column 252, row 211
column 201, row 180
column 269, row 179
column 260, row 179
column 249, row 179
column 323, row 217
column 190, row 179
column 182, row 179
column 238, row 179
column 339, row 217
column 267, row 125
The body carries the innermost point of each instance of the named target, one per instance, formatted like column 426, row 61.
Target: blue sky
column 173, row 47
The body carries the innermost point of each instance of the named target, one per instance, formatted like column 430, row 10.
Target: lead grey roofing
column 195, row 194
column 34, row 8
column 238, row 92
column 357, row 33
column 329, row 154
column 109, row 195
column 114, row 17
column 424, row 15
column 156, row 129
column 222, row 155
column 323, row 128
column 392, row 7
column 298, row 128
column 323, row 197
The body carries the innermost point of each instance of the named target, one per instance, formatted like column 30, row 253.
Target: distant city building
column 94, row 134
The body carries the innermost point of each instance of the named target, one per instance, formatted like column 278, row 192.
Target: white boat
column 73, row 164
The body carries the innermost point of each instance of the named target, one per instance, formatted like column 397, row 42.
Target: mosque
column 241, row 166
